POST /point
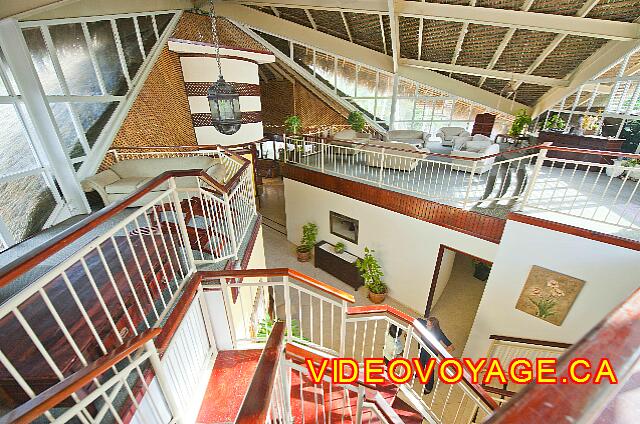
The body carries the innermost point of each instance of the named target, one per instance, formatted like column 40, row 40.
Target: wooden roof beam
column 395, row 36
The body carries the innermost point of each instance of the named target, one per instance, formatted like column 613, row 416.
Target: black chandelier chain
column 214, row 32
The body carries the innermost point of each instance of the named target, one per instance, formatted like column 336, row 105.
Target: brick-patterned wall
column 277, row 103
column 195, row 27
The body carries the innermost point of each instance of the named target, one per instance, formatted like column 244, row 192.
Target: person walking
column 393, row 345
column 433, row 326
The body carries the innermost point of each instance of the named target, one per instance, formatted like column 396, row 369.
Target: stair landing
column 230, row 378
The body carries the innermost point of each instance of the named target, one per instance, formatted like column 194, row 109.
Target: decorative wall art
column 548, row 294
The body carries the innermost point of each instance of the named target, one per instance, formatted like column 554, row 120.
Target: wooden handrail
column 617, row 338
column 530, row 341
column 498, row 391
column 34, row 408
column 257, row 400
column 593, row 152
column 380, row 309
column 279, row 272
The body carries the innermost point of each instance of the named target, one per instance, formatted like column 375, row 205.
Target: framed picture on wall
column 343, row 227
column 548, row 295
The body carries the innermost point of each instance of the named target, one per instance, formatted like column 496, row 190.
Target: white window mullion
column 121, row 57
column 155, row 27
column 92, row 56
column 139, row 37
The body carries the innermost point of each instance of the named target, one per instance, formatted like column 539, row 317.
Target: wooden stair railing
column 617, row 338
column 257, row 400
column 54, row 395
column 23, row 264
column 535, row 342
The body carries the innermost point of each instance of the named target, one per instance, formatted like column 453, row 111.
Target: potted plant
column 522, row 120
column 372, row 273
column 357, row 122
column 481, row 270
column 590, row 125
column 292, row 124
column 632, row 168
column 554, row 123
column 309, row 235
column 339, row 247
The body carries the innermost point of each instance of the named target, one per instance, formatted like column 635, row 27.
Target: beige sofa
column 475, row 147
column 126, row 176
column 346, row 138
column 448, row 134
column 413, row 137
column 398, row 156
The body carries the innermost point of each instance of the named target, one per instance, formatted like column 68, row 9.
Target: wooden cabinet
column 340, row 265
column 483, row 124
column 587, row 142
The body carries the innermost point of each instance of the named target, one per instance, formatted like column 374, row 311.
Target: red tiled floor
column 230, row 379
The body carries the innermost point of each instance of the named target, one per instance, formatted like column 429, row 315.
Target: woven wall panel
column 494, row 85
column 616, row 10
column 277, row 103
column 313, row 111
column 201, row 88
column 294, row 15
column 557, row 7
column 523, row 49
column 195, row 27
column 439, row 40
column 570, row 53
column 469, row 79
column 365, row 30
column 330, row 22
column 501, row 4
column 479, row 45
column 160, row 113
column 530, row 93
column 204, row 119
column 408, row 33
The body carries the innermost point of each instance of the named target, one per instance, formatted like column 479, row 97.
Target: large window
column 613, row 98
column 418, row 106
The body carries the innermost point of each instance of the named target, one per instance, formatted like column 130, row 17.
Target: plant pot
column 304, row 255
column 377, row 297
column 482, row 271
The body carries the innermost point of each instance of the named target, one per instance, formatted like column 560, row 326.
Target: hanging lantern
column 224, row 102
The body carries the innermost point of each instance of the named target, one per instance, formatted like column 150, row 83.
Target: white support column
column 394, row 102
column 19, row 61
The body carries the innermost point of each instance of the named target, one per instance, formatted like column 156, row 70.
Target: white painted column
column 394, row 102
column 32, row 94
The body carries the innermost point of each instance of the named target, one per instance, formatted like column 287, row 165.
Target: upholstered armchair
column 476, row 147
column 447, row 134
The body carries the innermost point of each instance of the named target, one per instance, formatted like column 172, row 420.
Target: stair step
column 228, row 384
column 406, row 412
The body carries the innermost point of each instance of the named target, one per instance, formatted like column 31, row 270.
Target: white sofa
column 448, row 134
column 126, row 176
column 474, row 147
column 413, row 137
column 345, row 138
column 398, row 156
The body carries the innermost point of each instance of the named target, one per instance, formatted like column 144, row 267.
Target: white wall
column 446, row 265
column 407, row 247
column 610, row 274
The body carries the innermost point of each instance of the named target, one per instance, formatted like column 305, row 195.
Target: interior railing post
column 381, row 167
column 287, row 308
column 227, row 307
column 181, row 224
column 322, row 155
column 229, row 219
column 285, row 376
column 360, row 405
column 285, row 149
column 163, row 382
column 466, row 195
column 343, row 328
column 534, row 176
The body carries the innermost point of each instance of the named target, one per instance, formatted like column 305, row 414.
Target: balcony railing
column 595, row 188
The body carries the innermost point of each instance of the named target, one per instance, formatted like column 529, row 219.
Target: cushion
column 152, row 167
column 404, row 135
column 126, row 185
column 477, row 145
column 345, row 135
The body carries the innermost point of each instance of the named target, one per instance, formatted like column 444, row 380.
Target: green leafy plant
column 356, row 120
column 293, row 124
column 309, row 236
column 371, row 271
column 339, row 247
column 522, row 120
column 631, row 163
column 554, row 122
column 266, row 325
column 546, row 298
